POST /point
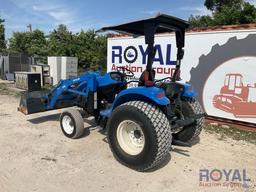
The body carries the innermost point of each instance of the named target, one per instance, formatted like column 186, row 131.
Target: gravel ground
column 36, row 156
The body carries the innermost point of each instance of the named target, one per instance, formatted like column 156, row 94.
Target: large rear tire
column 139, row 135
column 189, row 133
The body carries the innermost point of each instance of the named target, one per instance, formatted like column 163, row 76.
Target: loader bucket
column 33, row 102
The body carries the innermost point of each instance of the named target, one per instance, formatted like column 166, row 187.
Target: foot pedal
column 198, row 116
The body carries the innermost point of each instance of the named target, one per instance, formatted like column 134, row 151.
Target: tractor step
column 190, row 120
column 106, row 113
column 186, row 122
column 180, row 143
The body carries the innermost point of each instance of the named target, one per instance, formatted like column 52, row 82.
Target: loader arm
column 77, row 86
column 65, row 94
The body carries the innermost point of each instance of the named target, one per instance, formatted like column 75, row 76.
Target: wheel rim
column 130, row 137
column 67, row 124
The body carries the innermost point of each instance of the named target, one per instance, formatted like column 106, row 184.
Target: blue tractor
column 141, row 122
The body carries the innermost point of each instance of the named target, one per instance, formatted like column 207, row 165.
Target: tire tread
column 78, row 121
column 162, row 130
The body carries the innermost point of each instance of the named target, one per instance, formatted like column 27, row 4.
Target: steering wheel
column 123, row 69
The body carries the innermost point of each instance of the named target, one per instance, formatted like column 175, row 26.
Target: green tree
column 101, row 43
column 227, row 16
column 225, row 12
column 2, row 35
column 248, row 14
column 61, row 42
column 200, row 21
column 91, row 50
column 217, row 5
column 31, row 43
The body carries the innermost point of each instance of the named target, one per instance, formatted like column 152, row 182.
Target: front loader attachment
column 33, row 102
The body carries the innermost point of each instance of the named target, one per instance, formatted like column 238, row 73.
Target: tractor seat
column 150, row 79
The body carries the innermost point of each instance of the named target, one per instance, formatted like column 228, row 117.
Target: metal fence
column 12, row 62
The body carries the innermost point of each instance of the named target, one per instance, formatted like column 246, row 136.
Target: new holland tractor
column 141, row 122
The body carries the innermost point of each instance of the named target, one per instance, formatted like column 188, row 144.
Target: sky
column 89, row 14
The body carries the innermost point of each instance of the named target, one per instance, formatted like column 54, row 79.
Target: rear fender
column 188, row 91
column 152, row 95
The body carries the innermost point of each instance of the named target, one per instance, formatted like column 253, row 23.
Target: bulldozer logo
column 225, row 79
column 236, row 97
column 130, row 54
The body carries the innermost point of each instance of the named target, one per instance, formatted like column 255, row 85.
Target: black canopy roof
column 161, row 23
column 165, row 23
column 149, row 27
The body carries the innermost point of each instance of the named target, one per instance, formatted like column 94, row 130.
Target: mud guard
column 147, row 94
column 188, row 91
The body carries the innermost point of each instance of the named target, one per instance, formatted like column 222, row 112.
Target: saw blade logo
column 225, row 79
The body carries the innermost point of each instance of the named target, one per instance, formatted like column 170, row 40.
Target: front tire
column 139, row 135
column 72, row 124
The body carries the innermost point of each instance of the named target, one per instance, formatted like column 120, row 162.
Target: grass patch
column 233, row 133
column 5, row 91
column 46, row 88
column 9, row 89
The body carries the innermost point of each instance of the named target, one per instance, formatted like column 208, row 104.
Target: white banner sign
column 220, row 66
